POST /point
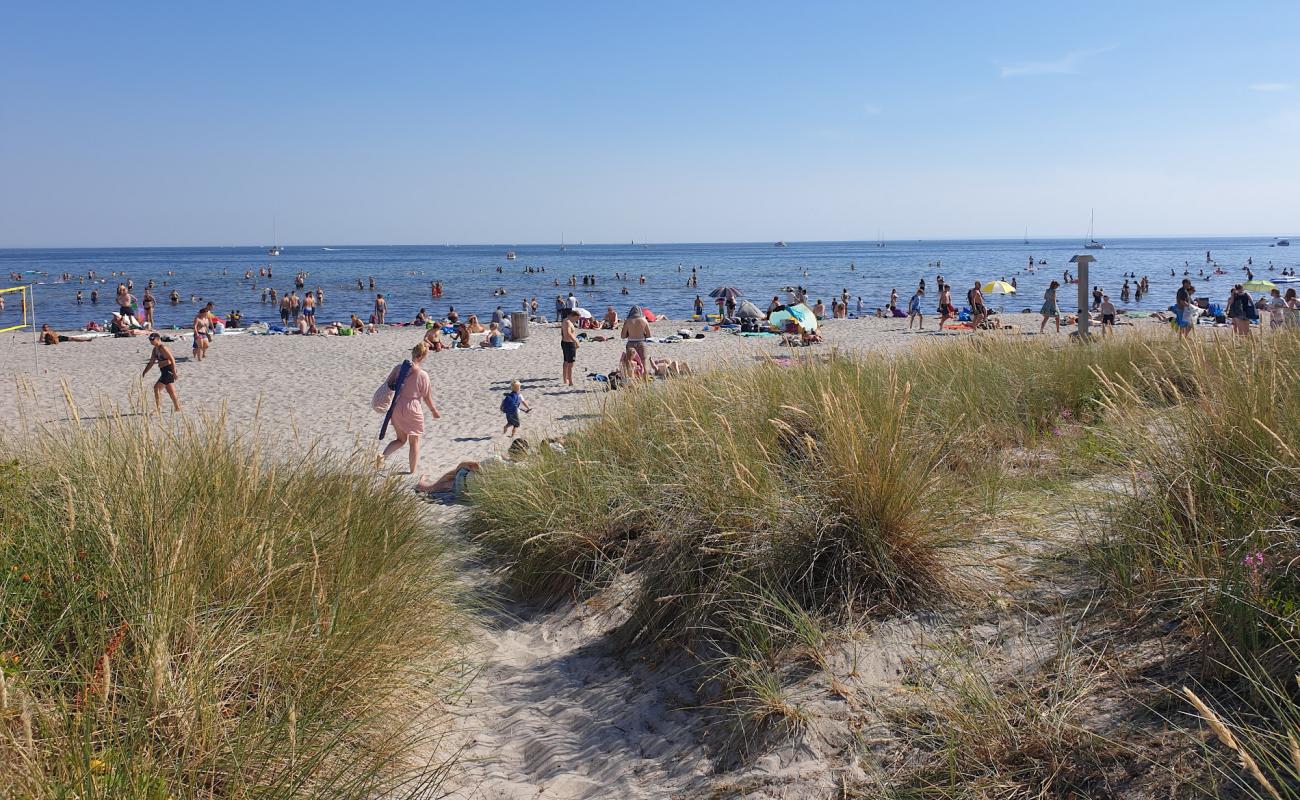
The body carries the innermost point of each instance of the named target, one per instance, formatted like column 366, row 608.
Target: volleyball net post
column 27, row 302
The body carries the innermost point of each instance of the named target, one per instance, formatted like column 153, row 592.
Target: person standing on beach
column 284, row 309
column 1107, row 309
column 914, row 311
column 976, row 298
column 568, row 345
column 309, row 311
column 148, row 307
column 510, row 405
column 166, row 373
column 635, row 332
column 945, row 304
column 381, row 307
column 1183, row 307
column 409, row 400
column 1050, row 308
column 123, row 300
column 1241, row 310
column 200, row 334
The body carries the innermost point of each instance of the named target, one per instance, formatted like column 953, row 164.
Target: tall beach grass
column 184, row 615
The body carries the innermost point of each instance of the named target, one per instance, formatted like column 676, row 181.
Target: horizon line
column 631, row 243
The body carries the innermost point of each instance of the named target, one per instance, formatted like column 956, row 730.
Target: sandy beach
column 315, row 390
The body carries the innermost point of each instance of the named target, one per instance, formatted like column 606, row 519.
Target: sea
column 478, row 278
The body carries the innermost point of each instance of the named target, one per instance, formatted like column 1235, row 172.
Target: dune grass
column 1209, row 527
column 1023, row 736
column 182, row 615
column 843, row 480
column 862, row 484
column 1207, row 537
column 808, row 481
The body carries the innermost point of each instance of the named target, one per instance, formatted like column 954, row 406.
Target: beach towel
column 386, row 394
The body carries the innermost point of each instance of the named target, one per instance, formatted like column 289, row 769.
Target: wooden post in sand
column 1081, row 280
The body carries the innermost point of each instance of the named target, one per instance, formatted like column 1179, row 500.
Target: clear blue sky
column 186, row 123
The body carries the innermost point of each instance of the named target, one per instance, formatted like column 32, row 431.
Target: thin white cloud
column 1270, row 87
column 871, row 109
column 1065, row 65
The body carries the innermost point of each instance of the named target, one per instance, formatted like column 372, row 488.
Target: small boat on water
column 510, row 255
column 1091, row 242
column 274, row 249
column 781, row 244
column 1282, row 243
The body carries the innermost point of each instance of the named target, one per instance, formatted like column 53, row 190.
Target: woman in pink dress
column 408, row 416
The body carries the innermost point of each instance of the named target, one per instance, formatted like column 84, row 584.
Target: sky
column 133, row 124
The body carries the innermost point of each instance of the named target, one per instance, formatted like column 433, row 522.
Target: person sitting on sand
column 462, row 335
column 630, row 365
column 473, row 325
column 494, row 337
column 420, row 317
column 359, row 327
column 120, row 325
column 611, row 319
column 433, row 338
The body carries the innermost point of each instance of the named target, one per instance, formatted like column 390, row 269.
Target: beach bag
column 383, row 397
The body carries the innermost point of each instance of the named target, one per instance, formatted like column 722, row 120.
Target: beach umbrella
column 801, row 314
column 583, row 313
column 726, row 292
column 998, row 287
column 1258, row 286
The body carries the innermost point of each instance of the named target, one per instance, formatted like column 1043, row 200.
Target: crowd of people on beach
column 299, row 309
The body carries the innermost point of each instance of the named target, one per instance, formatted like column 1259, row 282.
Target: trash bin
column 518, row 326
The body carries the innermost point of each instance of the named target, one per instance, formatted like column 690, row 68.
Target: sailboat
column 1091, row 242
column 274, row 249
column 1026, row 236
column 880, row 239
column 562, row 248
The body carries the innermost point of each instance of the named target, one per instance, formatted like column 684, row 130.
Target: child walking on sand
column 510, row 405
column 914, row 311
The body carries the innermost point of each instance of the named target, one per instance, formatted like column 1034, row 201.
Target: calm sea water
column 469, row 274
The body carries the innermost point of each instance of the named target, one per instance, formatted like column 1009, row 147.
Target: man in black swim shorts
column 568, row 344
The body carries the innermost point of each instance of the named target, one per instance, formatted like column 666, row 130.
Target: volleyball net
column 23, row 296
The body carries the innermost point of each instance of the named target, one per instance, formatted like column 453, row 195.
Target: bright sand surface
column 305, row 390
